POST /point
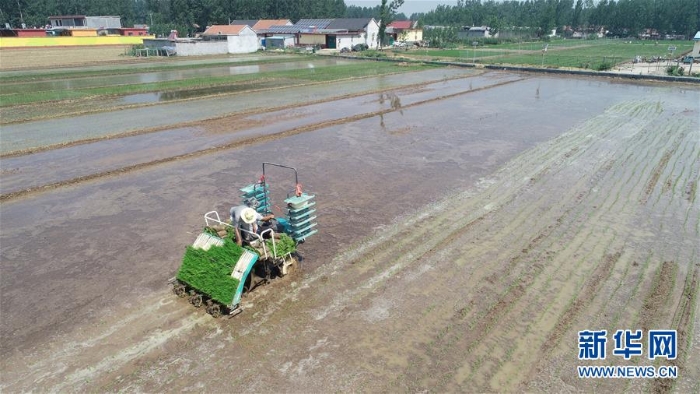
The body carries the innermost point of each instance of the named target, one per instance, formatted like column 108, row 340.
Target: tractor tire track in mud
column 683, row 324
column 593, row 284
column 236, row 144
column 526, row 278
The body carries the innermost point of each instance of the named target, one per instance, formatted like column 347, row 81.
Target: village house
column 261, row 28
column 467, row 32
column 215, row 40
column 310, row 31
column 404, row 31
column 696, row 46
column 85, row 22
column 91, row 26
column 278, row 37
column 338, row 33
column 239, row 38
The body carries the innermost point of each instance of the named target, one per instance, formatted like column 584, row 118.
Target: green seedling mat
column 209, row 272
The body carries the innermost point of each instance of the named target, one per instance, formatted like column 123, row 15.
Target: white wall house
column 372, row 34
column 350, row 40
column 246, row 41
column 200, row 48
column 239, row 38
column 353, row 31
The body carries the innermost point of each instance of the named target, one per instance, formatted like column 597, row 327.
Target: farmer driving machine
column 216, row 271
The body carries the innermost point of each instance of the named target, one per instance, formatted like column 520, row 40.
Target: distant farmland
column 560, row 53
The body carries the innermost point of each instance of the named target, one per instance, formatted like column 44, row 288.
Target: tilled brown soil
column 46, row 57
column 464, row 242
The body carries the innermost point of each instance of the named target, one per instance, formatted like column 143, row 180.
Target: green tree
column 576, row 17
column 440, row 36
column 386, row 14
column 547, row 17
column 354, row 11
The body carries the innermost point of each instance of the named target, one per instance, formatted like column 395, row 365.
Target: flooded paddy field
column 29, row 172
column 470, row 226
column 138, row 119
column 280, row 64
column 79, row 92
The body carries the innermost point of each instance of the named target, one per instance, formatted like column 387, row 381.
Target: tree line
column 621, row 18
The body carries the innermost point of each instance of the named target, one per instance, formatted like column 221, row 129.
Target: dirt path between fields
column 463, row 246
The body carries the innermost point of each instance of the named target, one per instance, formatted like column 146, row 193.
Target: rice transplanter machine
column 216, row 271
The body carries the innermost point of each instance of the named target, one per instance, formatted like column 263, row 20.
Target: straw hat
column 248, row 215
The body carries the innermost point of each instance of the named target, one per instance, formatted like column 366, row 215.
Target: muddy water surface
column 378, row 167
column 408, row 284
column 65, row 164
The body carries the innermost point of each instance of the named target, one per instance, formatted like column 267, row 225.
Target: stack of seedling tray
column 259, row 191
column 301, row 214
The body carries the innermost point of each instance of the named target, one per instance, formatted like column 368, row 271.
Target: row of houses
column 78, row 26
column 247, row 36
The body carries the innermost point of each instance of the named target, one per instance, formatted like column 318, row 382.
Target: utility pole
column 692, row 60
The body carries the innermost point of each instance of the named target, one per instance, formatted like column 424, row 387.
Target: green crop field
column 562, row 53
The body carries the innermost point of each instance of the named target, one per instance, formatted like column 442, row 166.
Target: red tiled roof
column 401, row 24
column 224, row 30
column 266, row 23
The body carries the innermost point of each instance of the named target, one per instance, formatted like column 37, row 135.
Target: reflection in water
column 141, row 98
column 150, row 78
column 394, row 101
column 192, row 93
column 239, row 70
